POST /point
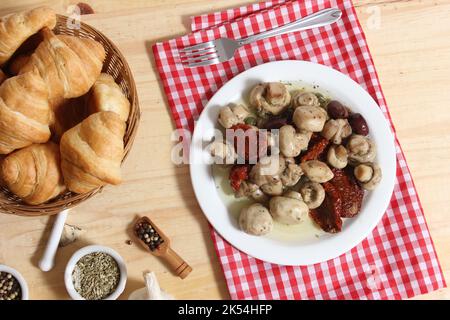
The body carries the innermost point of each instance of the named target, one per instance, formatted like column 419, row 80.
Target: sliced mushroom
column 337, row 156
column 304, row 99
column 317, row 171
column 336, row 130
column 292, row 174
column 251, row 190
column 368, row 174
column 288, row 209
column 291, row 142
column 270, row 98
column 361, row 149
column 222, row 152
column 232, row 115
column 312, row 194
column 256, row 220
column 310, row 118
column 266, row 174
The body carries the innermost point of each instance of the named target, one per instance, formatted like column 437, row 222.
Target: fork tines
column 199, row 55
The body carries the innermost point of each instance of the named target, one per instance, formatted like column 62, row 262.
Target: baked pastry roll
column 68, row 65
column 92, row 151
column 25, row 112
column 106, row 95
column 15, row 28
column 33, row 173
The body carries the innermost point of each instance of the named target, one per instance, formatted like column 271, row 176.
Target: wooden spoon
column 179, row 266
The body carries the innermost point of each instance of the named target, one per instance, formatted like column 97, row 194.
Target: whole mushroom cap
column 337, row 156
column 313, row 194
column 361, row 149
column 368, row 174
column 304, row 99
column 288, row 210
column 309, row 118
column 317, row 171
column 270, row 98
column 336, row 130
column 256, row 220
column 291, row 142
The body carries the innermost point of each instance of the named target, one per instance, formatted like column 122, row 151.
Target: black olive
column 275, row 123
column 336, row 110
column 358, row 124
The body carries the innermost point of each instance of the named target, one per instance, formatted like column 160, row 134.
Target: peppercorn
column 9, row 287
column 149, row 235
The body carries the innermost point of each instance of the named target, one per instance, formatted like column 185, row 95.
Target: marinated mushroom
column 292, row 173
column 293, row 142
column 251, row 190
column 360, row 149
column 304, row 99
column 270, row 98
column 222, row 152
column 312, row 194
column 232, row 114
column 288, row 209
column 310, row 118
column 368, row 174
column 337, row 156
column 317, row 171
column 256, row 220
column 266, row 174
column 336, row 130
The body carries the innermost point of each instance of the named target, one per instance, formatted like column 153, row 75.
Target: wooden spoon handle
column 181, row 268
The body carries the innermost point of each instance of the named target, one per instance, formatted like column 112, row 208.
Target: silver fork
column 223, row 49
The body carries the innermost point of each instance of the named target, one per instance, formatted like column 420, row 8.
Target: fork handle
column 318, row 19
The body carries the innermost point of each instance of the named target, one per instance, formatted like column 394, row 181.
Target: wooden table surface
column 409, row 41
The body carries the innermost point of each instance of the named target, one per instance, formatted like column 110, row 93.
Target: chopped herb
column 322, row 99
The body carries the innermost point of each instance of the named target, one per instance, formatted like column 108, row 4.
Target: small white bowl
column 91, row 249
column 19, row 278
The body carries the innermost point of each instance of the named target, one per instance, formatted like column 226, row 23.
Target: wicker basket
column 117, row 67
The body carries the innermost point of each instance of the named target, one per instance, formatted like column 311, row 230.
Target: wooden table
column 412, row 55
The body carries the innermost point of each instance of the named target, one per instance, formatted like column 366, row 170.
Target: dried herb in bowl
column 9, row 287
column 96, row 276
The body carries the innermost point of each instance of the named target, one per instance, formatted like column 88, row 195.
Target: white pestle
column 48, row 259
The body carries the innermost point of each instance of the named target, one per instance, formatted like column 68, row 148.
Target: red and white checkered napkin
column 398, row 259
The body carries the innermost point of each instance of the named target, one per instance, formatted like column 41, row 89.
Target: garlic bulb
column 151, row 291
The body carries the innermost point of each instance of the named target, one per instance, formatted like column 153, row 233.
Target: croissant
column 17, row 27
column 69, row 65
column 92, row 151
column 106, row 95
column 33, row 173
column 25, row 112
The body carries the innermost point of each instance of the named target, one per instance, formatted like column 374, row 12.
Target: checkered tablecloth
column 398, row 259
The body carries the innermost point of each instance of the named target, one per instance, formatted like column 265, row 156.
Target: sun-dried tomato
column 238, row 173
column 316, row 148
column 249, row 155
column 328, row 214
column 349, row 190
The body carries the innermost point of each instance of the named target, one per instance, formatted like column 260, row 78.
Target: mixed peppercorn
column 9, row 287
column 148, row 234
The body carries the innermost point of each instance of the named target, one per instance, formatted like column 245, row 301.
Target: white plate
column 294, row 251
